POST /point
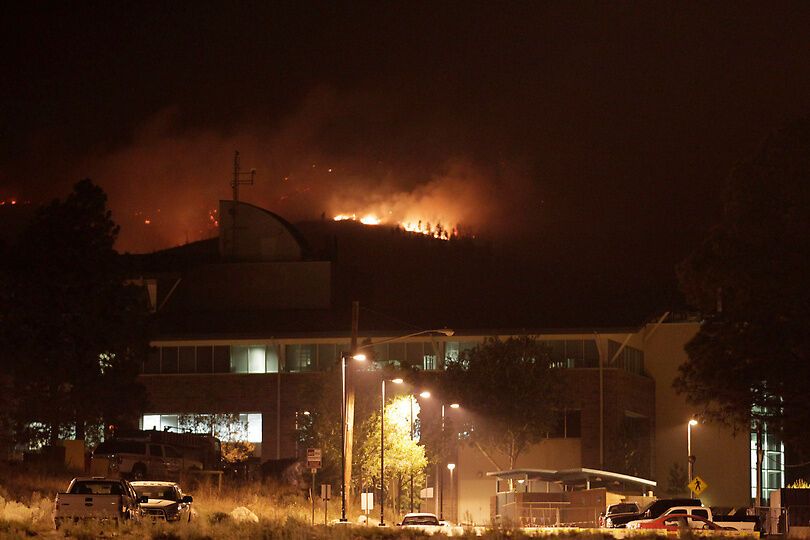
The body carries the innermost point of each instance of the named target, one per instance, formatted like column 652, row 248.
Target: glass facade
column 773, row 465
column 629, row 359
column 213, row 359
column 309, row 357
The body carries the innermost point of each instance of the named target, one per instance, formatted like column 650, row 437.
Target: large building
column 246, row 320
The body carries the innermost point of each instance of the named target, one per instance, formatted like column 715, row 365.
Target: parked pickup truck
column 651, row 511
column 140, row 459
column 99, row 498
column 698, row 515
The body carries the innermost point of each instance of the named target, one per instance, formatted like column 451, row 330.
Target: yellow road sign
column 698, row 485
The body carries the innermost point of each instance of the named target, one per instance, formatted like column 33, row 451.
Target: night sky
column 595, row 136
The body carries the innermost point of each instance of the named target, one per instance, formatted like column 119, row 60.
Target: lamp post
column 382, row 449
column 344, row 357
column 410, row 402
column 441, row 483
column 689, row 457
column 451, row 467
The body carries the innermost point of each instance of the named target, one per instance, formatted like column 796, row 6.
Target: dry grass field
column 273, row 512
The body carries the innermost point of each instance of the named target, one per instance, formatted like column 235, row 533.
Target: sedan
column 163, row 501
column 675, row 522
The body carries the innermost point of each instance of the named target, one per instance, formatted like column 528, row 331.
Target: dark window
column 152, row 364
column 591, row 354
column 701, row 513
column 222, row 359
column 327, row 356
column 187, row 362
column 96, row 487
column 171, row 452
column 574, row 353
column 566, row 424
column 155, row 450
column 168, row 360
column 300, row 358
column 205, row 359
column 415, row 354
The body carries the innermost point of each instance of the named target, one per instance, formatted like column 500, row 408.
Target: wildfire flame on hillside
column 418, row 226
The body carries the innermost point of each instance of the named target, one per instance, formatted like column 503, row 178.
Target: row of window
column 274, row 358
column 569, row 353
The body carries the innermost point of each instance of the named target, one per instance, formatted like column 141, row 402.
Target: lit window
column 254, row 427
column 151, row 421
column 256, row 359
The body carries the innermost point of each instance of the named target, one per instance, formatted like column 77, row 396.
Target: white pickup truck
column 109, row 499
column 740, row 524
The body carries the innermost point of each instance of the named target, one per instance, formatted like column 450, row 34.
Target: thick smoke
column 165, row 184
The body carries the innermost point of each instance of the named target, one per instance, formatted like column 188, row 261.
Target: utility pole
column 348, row 425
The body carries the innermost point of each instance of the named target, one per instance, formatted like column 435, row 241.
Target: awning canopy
column 573, row 477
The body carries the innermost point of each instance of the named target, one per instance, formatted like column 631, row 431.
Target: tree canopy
column 511, row 391
column 404, row 457
column 73, row 330
column 751, row 355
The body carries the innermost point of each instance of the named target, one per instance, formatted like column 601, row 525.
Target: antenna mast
column 239, row 179
column 238, row 175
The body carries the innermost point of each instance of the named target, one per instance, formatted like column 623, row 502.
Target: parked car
column 702, row 513
column 107, row 499
column 139, row 460
column 420, row 520
column 675, row 522
column 163, row 501
column 618, row 509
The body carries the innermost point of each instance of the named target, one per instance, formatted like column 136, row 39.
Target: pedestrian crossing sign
column 698, row 485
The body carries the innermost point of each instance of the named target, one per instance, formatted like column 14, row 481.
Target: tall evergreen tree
column 749, row 364
column 74, row 331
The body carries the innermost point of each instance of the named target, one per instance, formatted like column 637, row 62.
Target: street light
column 441, row 482
column 451, row 467
column 344, row 357
column 382, row 449
column 689, row 457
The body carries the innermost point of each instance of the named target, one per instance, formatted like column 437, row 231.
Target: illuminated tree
column 403, row 457
column 73, row 331
column 749, row 363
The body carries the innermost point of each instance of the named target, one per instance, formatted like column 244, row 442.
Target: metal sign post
column 367, row 503
column 326, row 494
column 312, row 495
column 314, row 463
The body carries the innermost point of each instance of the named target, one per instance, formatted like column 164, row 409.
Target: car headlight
column 632, row 525
column 608, row 522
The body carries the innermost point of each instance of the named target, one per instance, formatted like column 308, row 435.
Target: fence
column 549, row 514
